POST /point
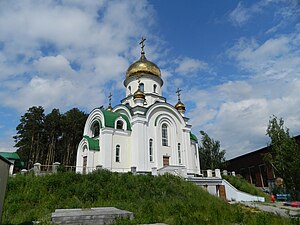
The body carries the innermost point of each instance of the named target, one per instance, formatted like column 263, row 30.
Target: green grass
column 241, row 184
column 152, row 199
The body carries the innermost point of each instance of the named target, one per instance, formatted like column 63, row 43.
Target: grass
column 241, row 184
column 166, row 199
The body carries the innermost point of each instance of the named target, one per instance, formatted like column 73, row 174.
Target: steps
column 95, row 216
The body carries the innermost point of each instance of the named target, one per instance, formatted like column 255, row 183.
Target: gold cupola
column 143, row 66
column 139, row 94
column 109, row 108
column 179, row 105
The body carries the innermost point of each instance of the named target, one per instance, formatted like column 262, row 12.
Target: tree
column 53, row 123
column 50, row 138
column 29, row 136
column 73, row 123
column 211, row 157
column 284, row 156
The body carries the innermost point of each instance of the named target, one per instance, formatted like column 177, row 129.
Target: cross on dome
column 178, row 93
column 109, row 108
column 142, row 45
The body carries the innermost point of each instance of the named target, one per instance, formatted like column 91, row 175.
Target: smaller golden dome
column 143, row 66
column 139, row 94
column 109, row 108
column 180, row 106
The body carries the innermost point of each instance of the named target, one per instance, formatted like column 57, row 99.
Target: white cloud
column 53, row 65
column 62, row 54
column 237, row 112
column 188, row 65
column 240, row 15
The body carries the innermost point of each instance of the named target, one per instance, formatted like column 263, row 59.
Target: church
column 142, row 134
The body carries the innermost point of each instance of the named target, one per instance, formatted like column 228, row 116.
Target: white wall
column 234, row 194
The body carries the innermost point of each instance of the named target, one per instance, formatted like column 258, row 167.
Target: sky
column 237, row 62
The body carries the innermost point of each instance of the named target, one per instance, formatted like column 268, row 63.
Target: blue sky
column 237, row 62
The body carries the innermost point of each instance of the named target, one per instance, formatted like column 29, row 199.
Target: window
column 142, row 87
column 151, row 150
column 154, row 88
column 129, row 89
column 96, row 129
column 179, row 154
column 164, row 134
column 119, row 124
column 118, row 153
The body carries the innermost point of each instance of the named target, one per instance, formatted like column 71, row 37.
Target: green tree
column 284, row 156
column 29, row 138
column 73, row 122
column 53, row 132
column 211, row 157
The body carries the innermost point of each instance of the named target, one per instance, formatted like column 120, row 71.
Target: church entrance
column 166, row 161
column 84, row 164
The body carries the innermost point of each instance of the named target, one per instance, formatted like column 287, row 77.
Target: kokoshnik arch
column 144, row 131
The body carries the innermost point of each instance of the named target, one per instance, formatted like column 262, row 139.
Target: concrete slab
column 95, row 216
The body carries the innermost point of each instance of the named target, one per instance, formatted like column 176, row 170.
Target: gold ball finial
column 139, row 93
column 179, row 106
column 109, row 108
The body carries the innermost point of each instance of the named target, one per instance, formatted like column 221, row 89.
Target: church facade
column 144, row 132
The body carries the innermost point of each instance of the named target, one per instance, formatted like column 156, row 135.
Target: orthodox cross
column 109, row 98
column 142, row 44
column 178, row 93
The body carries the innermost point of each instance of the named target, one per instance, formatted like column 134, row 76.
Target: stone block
column 95, row 216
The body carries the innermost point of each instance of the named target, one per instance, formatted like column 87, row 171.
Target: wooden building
column 253, row 168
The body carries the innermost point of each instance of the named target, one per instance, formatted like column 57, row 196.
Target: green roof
column 10, row 155
column 93, row 143
column 193, row 137
column 110, row 118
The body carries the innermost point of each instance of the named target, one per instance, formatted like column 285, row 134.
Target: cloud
column 237, row 112
column 240, row 15
column 188, row 65
column 275, row 58
column 286, row 12
column 52, row 65
column 56, row 53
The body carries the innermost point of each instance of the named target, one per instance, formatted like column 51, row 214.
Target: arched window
column 118, row 153
column 151, row 150
column 164, row 134
column 154, row 88
column 179, row 154
column 142, row 87
column 96, row 129
column 120, row 124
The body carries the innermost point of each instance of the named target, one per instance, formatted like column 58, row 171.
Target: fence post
column 154, row 171
column 233, row 173
column 133, row 170
column 225, row 173
column 23, row 171
column 218, row 173
column 209, row 173
column 99, row 167
column 37, row 168
column 55, row 167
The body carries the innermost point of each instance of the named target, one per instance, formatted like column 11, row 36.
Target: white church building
column 144, row 133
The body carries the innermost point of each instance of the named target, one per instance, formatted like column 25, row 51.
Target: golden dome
column 109, row 108
column 139, row 94
column 143, row 66
column 180, row 106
